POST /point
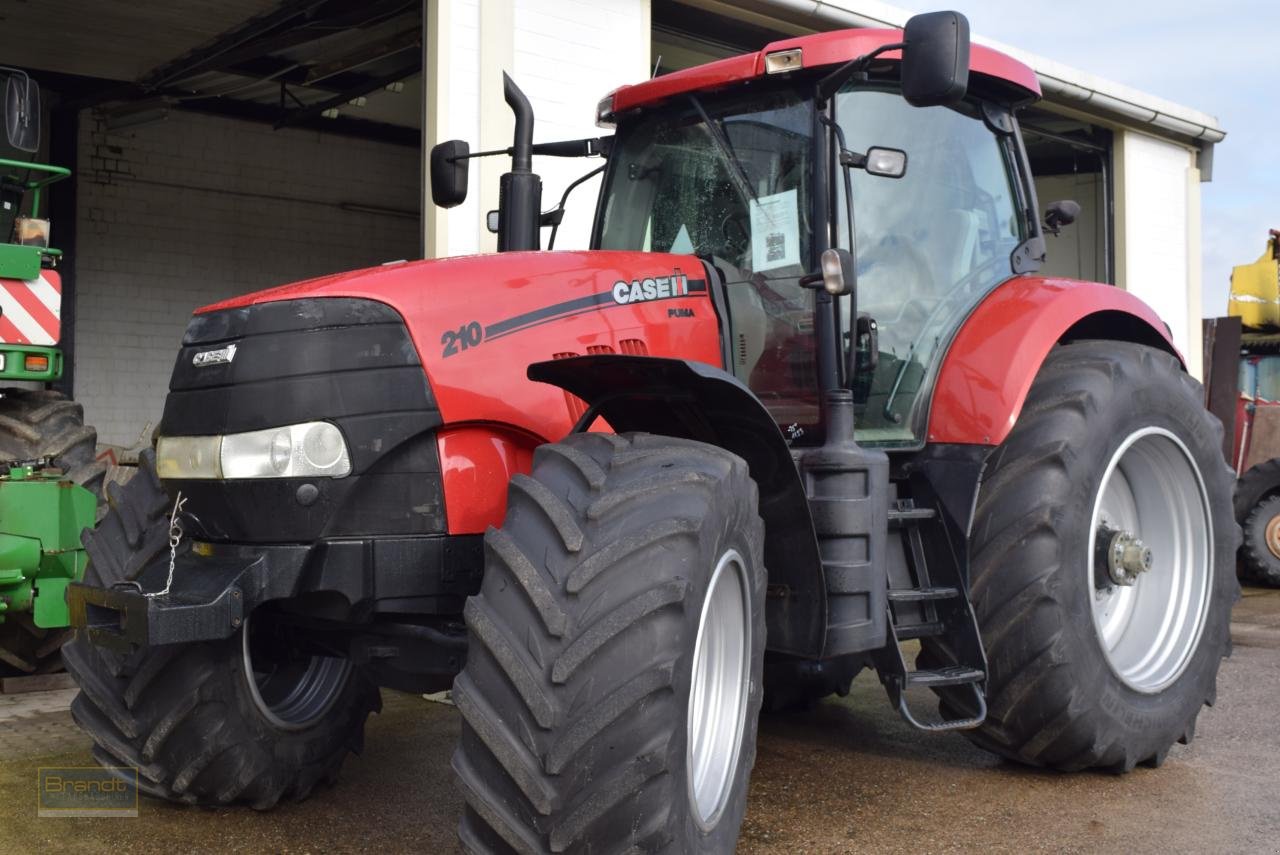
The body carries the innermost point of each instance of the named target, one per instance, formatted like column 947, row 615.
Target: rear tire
column 1069, row 687
column 624, row 566
column 38, row 424
column 1254, row 485
column 1261, row 549
column 203, row 722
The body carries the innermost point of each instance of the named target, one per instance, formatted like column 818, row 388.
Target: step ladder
column 936, row 607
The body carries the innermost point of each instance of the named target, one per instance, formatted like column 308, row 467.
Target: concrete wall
column 191, row 210
column 566, row 55
column 1158, row 233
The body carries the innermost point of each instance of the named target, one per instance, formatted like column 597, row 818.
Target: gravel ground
column 848, row 776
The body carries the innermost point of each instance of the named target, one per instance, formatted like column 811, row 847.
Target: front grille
column 346, row 361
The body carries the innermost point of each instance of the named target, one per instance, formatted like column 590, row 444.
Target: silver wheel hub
column 719, row 690
column 1151, row 559
column 1126, row 556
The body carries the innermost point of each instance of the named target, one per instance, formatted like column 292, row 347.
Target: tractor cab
column 763, row 174
column 30, row 301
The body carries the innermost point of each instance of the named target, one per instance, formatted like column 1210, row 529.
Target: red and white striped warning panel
column 31, row 310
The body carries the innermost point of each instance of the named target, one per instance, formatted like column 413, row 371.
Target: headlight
column 313, row 449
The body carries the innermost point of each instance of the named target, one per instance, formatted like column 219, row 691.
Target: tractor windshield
column 729, row 178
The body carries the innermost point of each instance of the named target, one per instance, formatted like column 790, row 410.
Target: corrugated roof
column 115, row 39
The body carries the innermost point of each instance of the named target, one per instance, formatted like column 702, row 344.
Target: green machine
column 50, row 480
column 40, row 553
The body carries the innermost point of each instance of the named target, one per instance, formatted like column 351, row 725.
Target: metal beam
column 271, row 69
column 215, row 53
column 293, row 23
column 342, row 126
column 372, row 85
column 365, row 54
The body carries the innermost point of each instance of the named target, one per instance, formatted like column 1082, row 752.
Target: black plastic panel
column 356, row 367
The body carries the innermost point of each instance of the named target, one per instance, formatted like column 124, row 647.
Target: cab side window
column 929, row 245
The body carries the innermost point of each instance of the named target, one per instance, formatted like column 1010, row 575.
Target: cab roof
column 1011, row 77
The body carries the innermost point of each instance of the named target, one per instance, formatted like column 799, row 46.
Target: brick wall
column 193, row 209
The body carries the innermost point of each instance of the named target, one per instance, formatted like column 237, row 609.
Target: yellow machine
column 1255, row 289
column 1255, row 299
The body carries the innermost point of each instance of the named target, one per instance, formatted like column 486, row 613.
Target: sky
column 1221, row 58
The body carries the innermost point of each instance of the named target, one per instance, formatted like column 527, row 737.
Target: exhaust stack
column 520, row 190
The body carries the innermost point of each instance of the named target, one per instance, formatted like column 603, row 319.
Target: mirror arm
column 830, row 84
column 852, row 159
column 591, row 147
column 554, row 216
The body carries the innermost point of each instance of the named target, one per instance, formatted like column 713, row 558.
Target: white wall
column 194, row 209
column 565, row 55
column 1157, row 230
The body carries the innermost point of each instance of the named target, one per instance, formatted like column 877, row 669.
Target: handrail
column 35, row 185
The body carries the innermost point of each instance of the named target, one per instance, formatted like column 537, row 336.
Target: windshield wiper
column 725, row 148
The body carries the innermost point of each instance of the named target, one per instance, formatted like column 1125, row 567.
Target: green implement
column 40, row 552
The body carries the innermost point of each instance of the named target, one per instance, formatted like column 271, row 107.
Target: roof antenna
column 656, row 66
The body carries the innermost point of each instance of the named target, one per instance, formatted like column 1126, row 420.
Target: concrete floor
column 848, row 776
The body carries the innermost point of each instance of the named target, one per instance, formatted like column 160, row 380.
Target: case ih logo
column 659, row 288
column 220, row 356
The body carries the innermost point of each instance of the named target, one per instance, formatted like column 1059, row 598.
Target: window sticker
column 775, row 231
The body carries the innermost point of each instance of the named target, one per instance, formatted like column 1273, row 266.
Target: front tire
column 1085, row 671
column 240, row 720
column 613, row 676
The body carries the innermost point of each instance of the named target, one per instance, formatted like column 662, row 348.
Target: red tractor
column 742, row 448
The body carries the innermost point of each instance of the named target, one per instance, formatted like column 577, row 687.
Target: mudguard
column 989, row 368
column 693, row 400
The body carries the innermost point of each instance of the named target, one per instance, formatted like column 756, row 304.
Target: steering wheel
column 737, row 237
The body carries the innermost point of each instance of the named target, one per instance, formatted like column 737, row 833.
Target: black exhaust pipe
column 520, row 190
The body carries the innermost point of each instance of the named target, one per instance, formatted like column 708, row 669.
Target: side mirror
column 886, row 162
column 1061, row 214
column 935, row 59
column 22, row 111
column 449, row 173
column 836, row 274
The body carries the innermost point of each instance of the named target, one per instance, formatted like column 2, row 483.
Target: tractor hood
column 477, row 322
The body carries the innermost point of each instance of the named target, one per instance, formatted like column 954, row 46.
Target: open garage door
column 218, row 148
column 1071, row 159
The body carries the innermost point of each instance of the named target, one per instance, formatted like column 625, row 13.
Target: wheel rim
column 292, row 693
column 1273, row 535
column 1149, row 629
column 719, row 690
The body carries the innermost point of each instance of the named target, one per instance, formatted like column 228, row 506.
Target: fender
column 693, row 400
column 992, row 361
